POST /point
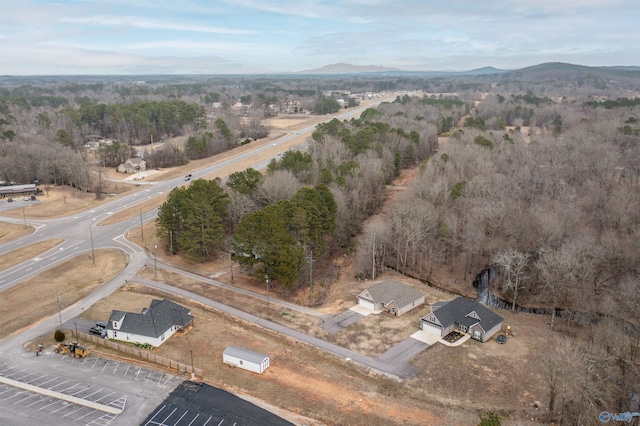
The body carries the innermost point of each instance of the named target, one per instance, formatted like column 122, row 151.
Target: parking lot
column 198, row 404
column 93, row 379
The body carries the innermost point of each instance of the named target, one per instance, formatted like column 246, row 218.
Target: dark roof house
column 462, row 314
column 155, row 324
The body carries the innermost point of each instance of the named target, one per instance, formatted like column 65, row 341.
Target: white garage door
column 366, row 303
column 432, row 328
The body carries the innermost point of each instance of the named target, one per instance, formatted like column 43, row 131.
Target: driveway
column 342, row 320
column 403, row 352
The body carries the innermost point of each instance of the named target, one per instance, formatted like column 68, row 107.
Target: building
column 17, row 190
column 154, row 325
column 392, row 296
column 133, row 165
column 246, row 359
column 463, row 315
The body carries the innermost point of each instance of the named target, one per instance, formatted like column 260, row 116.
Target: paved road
column 392, row 368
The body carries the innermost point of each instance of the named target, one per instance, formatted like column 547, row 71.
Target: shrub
column 59, row 336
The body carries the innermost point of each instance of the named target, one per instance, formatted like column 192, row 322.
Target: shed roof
column 391, row 291
column 159, row 317
column 244, row 354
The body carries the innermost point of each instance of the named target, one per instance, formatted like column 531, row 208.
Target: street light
column 323, row 321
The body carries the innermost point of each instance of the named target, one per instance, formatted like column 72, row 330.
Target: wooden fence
column 143, row 354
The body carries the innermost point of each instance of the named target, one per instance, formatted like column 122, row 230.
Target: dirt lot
column 71, row 280
column 11, row 231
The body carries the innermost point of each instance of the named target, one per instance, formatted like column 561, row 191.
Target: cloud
column 136, row 22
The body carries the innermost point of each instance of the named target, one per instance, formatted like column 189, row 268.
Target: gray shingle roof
column 458, row 311
column 153, row 321
column 388, row 291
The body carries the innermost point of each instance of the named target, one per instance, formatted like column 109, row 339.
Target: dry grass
column 72, row 280
column 301, row 379
column 16, row 257
column 11, row 231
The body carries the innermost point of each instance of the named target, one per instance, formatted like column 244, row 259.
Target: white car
column 26, row 198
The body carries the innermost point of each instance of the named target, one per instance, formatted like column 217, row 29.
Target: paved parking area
column 93, row 379
column 30, row 403
column 198, row 404
column 342, row 320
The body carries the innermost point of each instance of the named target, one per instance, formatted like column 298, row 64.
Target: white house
column 246, row 359
column 154, row 325
column 397, row 298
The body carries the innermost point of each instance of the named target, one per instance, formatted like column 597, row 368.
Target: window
column 463, row 328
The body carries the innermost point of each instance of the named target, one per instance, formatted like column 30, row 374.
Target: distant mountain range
column 541, row 69
column 342, row 68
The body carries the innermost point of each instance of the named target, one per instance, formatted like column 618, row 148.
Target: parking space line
column 16, row 372
column 154, row 416
column 99, row 399
column 37, row 378
column 220, row 422
column 116, row 369
column 38, row 401
column 44, row 383
column 208, row 420
column 127, row 370
column 60, row 384
column 139, row 369
column 55, row 401
column 80, row 390
column 181, row 417
column 81, row 417
column 169, row 416
column 25, row 398
column 160, row 378
column 194, row 419
column 150, row 372
column 18, row 393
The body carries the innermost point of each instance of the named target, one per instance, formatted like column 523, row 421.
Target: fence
column 143, row 354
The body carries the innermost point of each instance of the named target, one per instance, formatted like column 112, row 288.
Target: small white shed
column 246, row 359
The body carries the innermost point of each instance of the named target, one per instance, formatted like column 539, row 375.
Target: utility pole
column 59, row 314
column 310, row 258
column 93, row 254
column 266, row 277
column 193, row 374
column 155, row 260
column 230, row 266
column 24, row 217
column 171, row 242
column 76, row 331
column 141, row 229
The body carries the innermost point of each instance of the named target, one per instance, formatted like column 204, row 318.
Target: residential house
column 464, row 315
column 133, row 165
column 395, row 297
column 154, row 325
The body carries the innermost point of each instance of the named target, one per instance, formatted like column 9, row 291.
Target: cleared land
column 11, row 231
column 72, row 280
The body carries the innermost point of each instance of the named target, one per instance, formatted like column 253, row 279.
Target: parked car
column 101, row 324
column 98, row 331
column 27, row 198
column 9, row 200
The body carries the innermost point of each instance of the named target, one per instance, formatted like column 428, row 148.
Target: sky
column 87, row 37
